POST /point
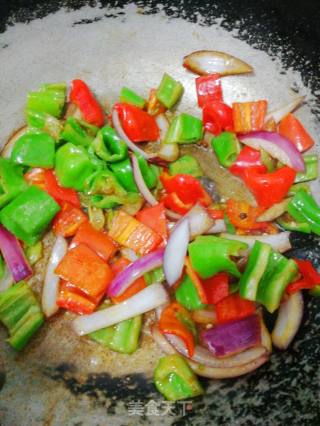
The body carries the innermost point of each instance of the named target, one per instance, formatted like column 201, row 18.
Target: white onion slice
column 147, row 299
column 227, row 373
column 168, row 151
column 6, row 281
column 131, row 145
column 204, row 62
column 7, row 150
column 175, row 251
column 279, row 242
column 51, row 282
column 288, row 321
column 219, row 226
column 199, row 221
column 163, row 125
column 279, row 113
column 203, row 356
column 266, row 341
column 144, row 190
column 214, row 372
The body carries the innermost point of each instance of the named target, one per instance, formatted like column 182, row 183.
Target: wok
column 60, row 379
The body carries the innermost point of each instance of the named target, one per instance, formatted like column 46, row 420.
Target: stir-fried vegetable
column 131, row 225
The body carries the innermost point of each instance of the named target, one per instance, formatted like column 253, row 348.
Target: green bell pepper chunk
column 256, row 266
column 175, row 380
column 96, row 162
column 46, row 122
column 12, row 182
column 185, row 165
column 210, row 255
column 29, row 214
column 296, row 187
column 112, row 201
column 287, row 223
column 150, row 172
column 169, row 91
column 73, row 166
column 184, row 128
column 108, row 146
column 311, row 169
column 128, row 96
column 155, row 276
column 106, row 192
column 303, row 208
column 75, row 133
column 34, row 149
column 34, row 252
column 279, row 273
column 50, row 99
column 122, row 337
column 226, row 147
column 20, row 313
column 124, row 174
column 187, row 295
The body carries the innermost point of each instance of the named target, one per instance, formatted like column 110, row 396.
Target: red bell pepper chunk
column 90, row 109
column 216, row 117
column 84, row 269
column 244, row 216
column 269, row 188
column 171, row 322
column 308, row 271
column 248, row 157
column 291, row 128
column 100, row 242
column 72, row 299
column 216, row 214
column 233, row 308
column 155, row 218
column 139, row 284
column 216, row 288
column 137, row 124
column 68, row 220
column 310, row 277
column 249, row 116
column 208, row 89
column 173, row 202
column 36, row 177
column 59, row 193
column 298, row 285
column 188, row 188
